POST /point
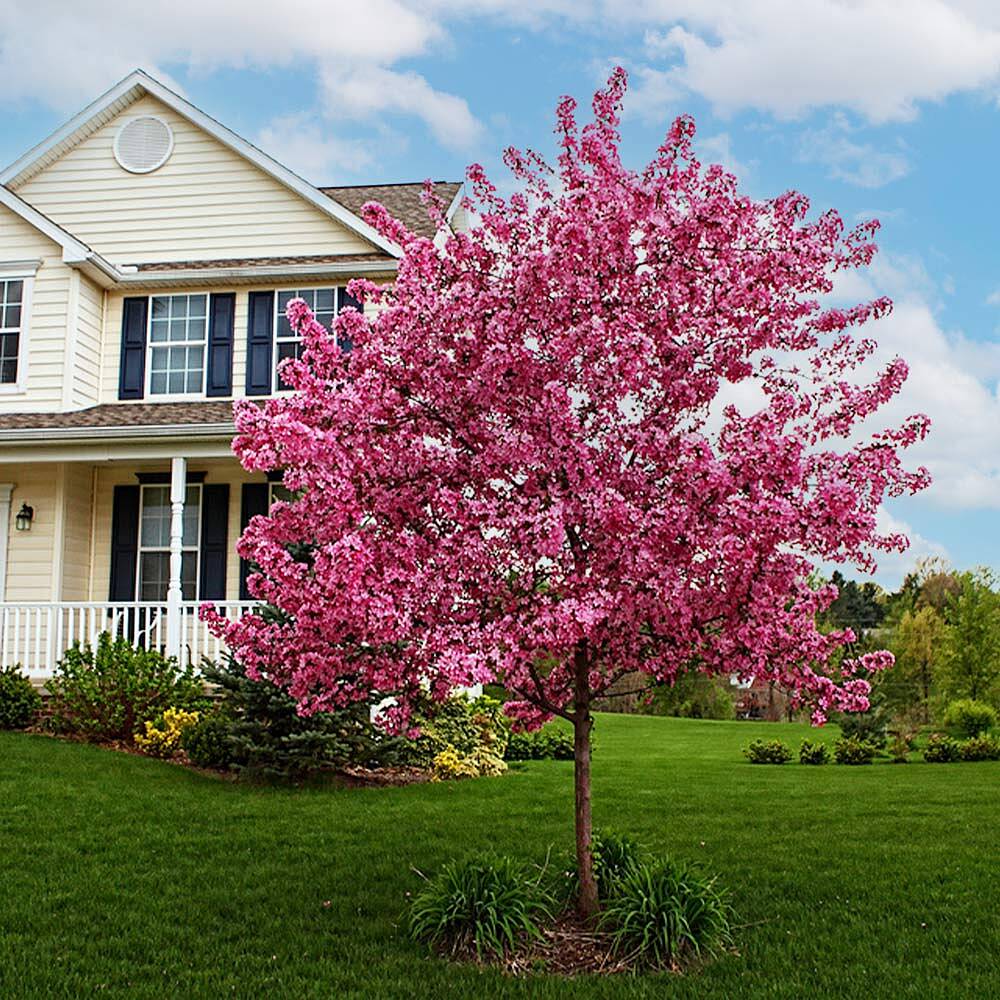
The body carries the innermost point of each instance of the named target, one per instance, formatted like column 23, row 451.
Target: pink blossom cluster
column 526, row 458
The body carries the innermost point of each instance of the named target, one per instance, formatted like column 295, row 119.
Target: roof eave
column 132, row 433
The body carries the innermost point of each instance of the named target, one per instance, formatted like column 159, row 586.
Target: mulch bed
column 568, row 948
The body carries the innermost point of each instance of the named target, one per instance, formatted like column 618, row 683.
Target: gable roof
column 402, row 201
column 133, row 87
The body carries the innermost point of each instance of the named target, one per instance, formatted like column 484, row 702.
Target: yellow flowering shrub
column 165, row 740
column 449, row 764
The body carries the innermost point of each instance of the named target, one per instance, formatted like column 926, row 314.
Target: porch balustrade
column 35, row 636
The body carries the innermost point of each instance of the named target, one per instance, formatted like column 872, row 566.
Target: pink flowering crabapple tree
column 525, row 470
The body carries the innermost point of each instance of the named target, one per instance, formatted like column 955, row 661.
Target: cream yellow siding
column 84, row 373
column 206, row 202
column 29, row 553
column 43, row 339
column 77, row 505
column 121, row 473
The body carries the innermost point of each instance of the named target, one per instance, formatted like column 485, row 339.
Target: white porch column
column 5, row 491
column 178, row 488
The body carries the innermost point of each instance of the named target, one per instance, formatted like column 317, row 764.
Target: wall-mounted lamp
column 24, row 518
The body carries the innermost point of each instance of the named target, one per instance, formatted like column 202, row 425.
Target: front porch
column 131, row 541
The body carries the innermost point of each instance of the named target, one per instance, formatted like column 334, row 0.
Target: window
column 154, row 543
column 278, row 491
column 11, row 298
column 178, row 326
column 322, row 302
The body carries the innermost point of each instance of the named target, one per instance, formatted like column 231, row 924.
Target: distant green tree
column 859, row 606
column 916, row 642
column 970, row 661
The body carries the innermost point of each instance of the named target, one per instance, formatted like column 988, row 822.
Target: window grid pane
column 11, row 294
column 179, row 323
column 323, row 304
column 154, row 543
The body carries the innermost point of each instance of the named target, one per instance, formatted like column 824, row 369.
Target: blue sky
column 873, row 107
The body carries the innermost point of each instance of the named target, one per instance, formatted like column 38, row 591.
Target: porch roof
column 203, row 417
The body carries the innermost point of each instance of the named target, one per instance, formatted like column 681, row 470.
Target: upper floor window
column 322, row 302
column 178, row 328
column 11, row 299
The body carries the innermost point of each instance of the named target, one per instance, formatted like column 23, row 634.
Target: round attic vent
column 143, row 144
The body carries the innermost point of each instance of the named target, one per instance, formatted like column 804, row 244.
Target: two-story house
column 146, row 256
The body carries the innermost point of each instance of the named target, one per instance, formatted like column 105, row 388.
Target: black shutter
column 344, row 298
column 124, row 543
column 221, row 311
column 260, row 341
column 214, row 541
column 253, row 501
column 132, row 367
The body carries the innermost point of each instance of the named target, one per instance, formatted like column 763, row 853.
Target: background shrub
column 483, row 906
column 548, row 743
column 19, row 701
column 207, row 744
column 813, row 753
column 266, row 737
column 853, row 751
column 968, row 718
column 982, row 747
column 665, row 914
column 767, row 752
column 869, row 727
column 110, row 692
column 467, row 726
column 693, row 695
column 941, row 749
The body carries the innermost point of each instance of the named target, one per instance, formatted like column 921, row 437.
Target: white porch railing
column 35, row 636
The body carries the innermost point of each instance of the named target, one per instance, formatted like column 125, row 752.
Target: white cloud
column 364, row 91
column 847, row 159
column 301, row 142
column 64, row 55
column 719, row 149
column 877, row 57
column 950, row 380
column 893, row 566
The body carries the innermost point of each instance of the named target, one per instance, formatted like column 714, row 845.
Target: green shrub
column 207, row 743
column 969, row 718
column 464, row 725
column 664, row 915
column 853, row 751
column 813, row 753
column 482, row 906
column 767, row 752
column 942, row 749
column 900, row 747
column 267, row 738
column 693, row 695
column 19, row 701
column 869, row 727
column 983, row 747
column 548, row 743
column 110, row 692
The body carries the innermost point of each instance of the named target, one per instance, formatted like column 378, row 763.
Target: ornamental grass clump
column 665, row 914
column 853, row 751
column 483, row 907
column 813, row 753
column 767, row 752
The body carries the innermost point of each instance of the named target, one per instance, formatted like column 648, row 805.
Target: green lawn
column 130, row 877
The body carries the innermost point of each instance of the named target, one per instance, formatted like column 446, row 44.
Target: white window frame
column 23, row 271
column 275, row 339
column 148, row 393
column 196, row 548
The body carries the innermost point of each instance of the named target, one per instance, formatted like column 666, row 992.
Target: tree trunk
column 587, row 900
